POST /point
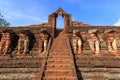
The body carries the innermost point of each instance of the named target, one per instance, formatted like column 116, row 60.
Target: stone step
column 60, row 47
column 59, row 56
column 100, row 75
column 20, row 64
column 105, row 70
column 27, row 56
column 58, row 62
column 112, row 64
column 59, row 50
column 58, row 78
column 58, row 68
column 60, row 38
column 60, row 59
column 59, row 44
column 21, row 58
column 58, row 73
column 94, row 58
column 19, row 70
column 58, row 65
column 98, row 59
column 102, row 52
column 19, row 76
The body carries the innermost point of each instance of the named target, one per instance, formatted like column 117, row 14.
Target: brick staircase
column 60, row 64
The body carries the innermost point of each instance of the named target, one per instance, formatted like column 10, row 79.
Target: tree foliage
column 3, row 22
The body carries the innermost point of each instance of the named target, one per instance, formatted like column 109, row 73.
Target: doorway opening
column 60, row 23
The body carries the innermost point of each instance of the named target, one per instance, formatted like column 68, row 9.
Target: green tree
column 3, row 22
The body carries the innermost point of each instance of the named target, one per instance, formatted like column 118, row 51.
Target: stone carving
column 94, row 41
column 43, row 42
column 77, row 42
column 23, row 42
column 5, row 42
column 111, row 41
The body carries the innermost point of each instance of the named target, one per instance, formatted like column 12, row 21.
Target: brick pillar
column 66, row 23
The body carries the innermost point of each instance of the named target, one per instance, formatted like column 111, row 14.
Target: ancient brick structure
column 60, row 62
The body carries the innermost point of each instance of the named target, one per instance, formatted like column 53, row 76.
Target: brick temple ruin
column 60, row 62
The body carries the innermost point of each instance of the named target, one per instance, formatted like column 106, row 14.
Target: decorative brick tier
column 20, row 68
column 105, row 67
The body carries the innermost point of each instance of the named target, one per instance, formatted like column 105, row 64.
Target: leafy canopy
column 3, row 22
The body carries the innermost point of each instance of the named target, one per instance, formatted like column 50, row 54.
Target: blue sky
column 29, row 12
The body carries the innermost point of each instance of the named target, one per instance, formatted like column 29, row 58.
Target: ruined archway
column 60, row 12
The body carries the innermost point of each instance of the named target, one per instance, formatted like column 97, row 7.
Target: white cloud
column 19, row 17
column 117, row 23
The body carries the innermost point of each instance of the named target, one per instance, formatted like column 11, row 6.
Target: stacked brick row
column 105, row 67
column 20, row 68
